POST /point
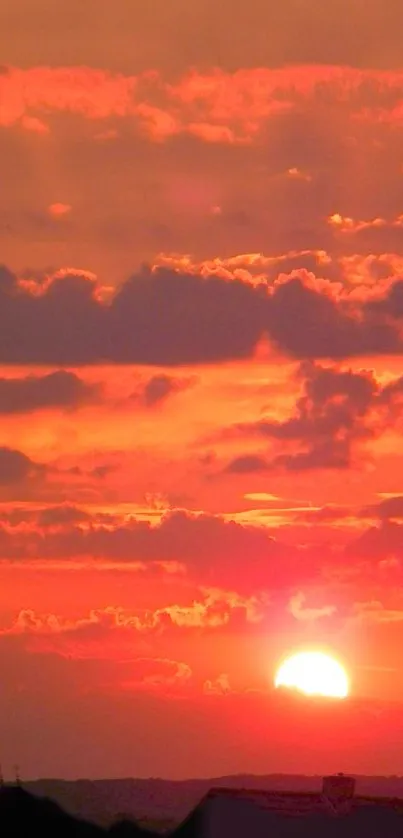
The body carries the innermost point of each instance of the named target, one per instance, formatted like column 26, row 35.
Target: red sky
column 201, row 385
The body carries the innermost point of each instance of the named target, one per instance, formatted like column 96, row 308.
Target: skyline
column 201, row 241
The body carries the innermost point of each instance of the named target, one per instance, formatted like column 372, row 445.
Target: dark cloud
column 392, row 395
column 333, row 403
column 57, row 389
column 102, row 471
column 378, row 543
column 61, row 516
column 159, row 387
column 330, row 416
column 175, row 318
column 247, row 464
column 326, row 455
column 325, row 515
column 392, row 303
column 212, row 550
column 329, row 454
column 310, row 324
column 16, row 467
column 387, row 508
column 165, row 317
column 154, row 318
column 375, row 238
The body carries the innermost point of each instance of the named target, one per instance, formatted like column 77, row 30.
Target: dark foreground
column 222, row 814
column 164, row 804
column 23, row 815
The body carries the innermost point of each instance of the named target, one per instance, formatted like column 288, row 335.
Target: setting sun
column 313, row 673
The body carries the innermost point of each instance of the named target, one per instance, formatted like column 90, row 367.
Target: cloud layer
column 165, row 317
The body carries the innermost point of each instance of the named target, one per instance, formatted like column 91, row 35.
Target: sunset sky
column 201, row 384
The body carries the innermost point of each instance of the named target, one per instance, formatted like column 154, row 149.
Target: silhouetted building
column 335, row 811
column 338, row 791
column 259, row 814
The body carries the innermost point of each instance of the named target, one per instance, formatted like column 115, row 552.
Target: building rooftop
column 297, row 804
column 246, row 813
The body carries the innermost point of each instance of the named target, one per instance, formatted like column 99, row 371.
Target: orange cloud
column 298, row 608
column 348, row 225
column 95, row 94
column 219, row 106
column 215, row 133
column 32, row 123
column 157, row 674
column 375, row 612
column 219, row 686
column 215, row 610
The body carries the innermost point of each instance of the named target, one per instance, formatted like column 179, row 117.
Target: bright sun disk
column 313, row 673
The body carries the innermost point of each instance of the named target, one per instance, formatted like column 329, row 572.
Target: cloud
column 158, row 674
column 326, row 455
column 16, row 467
column 155, row 318
column 386, row 509
column 159, row 387
column 216, row 106
column 97, row 641
column 255, row 267
column 331, row 415
column 247, row 464
column 377, row 236
column 32, row 123
column 325, row 327
column 301, row 611
column 378, row 543
column 59, row 389
column 375, row 612
column 219, row 686
column 40, row 517
column 326, row 514
column 61, row 516
column 391, row 303
column 165, row 317
column 95, row 94
column 338, row 412
column 212, row 551
column 112, row 631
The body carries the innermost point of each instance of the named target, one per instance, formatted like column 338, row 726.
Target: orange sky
column 201, row 391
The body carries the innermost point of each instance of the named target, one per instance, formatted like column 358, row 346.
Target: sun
column 313, row 673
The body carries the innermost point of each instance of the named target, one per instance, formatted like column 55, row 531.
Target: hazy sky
column 201, row 384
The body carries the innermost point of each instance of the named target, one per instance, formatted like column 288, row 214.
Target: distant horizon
column 191, row 779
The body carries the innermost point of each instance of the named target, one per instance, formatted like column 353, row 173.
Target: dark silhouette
column 227, row 813
column 224, row 813
column 128, row 829
column 23, row 815
column 161, row 805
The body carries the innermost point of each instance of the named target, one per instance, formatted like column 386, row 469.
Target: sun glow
column 313, row 673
